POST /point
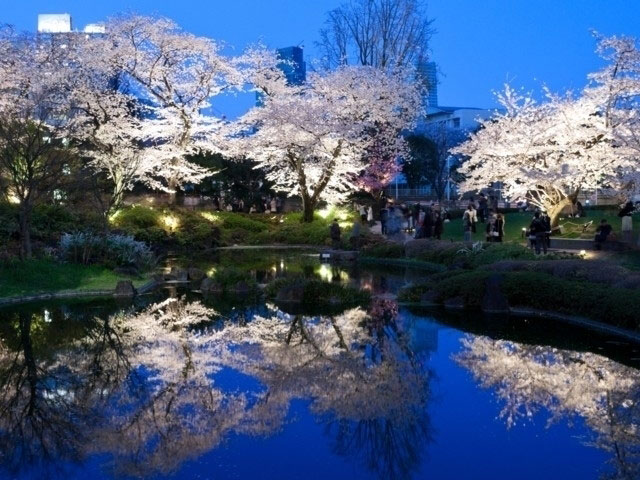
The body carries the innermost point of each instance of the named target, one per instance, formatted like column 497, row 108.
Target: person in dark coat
column 602, row 232
column 537, row 229
column 438, row 226
column 334, row 233
column 498, row 228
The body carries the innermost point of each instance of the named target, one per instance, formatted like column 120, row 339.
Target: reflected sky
column 177, row 389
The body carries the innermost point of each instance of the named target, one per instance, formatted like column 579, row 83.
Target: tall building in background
column 428, row 73
column 293, row 65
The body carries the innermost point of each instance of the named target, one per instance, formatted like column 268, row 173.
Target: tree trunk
column 173, row 189
column 25, row 231
column 308, row 208
column 555, row 210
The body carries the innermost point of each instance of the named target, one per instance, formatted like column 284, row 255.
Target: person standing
column 627, row 222
column 468, row 222
column 546, row 221
column 483, row 208
column 499, row 228
column 384, row 216
column 370, row 215
column 438, row 226
column 363, row 213
column 334, row 233
column 537, row 230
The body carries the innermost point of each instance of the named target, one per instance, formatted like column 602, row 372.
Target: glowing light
column 324, row 213
column 114, row 216
column 211, row 217
column 324, row 272
column 170, row 222
column 211, row 272
column 344, row 276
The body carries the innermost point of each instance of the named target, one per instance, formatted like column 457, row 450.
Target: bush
column 384, row 250
column 111, row 250
column 176, row 227
column 617, row 306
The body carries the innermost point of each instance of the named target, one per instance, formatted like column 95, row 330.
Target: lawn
column 515, row 222
column 46, row 276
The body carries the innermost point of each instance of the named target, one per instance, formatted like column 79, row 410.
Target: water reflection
column 141, row 386
column 529, row 379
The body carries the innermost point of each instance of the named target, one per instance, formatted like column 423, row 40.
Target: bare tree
column 379, row 33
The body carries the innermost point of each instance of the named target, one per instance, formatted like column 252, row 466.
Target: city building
column 292, row 64
column 51, row 23
column 455, row 122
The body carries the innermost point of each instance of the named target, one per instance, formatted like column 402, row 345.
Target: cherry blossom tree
column 552, row 151
column 178, row 73
column 312, row 140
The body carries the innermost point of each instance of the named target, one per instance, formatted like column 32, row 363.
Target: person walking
column 537, row 229
column 334, row 233
column 370, row 215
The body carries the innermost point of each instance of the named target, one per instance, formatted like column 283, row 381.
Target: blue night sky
column 479, row 44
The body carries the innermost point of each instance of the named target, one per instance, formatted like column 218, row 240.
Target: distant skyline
column 478, row 45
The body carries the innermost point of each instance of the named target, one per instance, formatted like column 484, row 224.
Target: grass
column 47, row 276
column 515, row 222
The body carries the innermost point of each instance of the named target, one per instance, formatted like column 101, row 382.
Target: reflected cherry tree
column 530, row 378
column 357, row 371
column 141, row 388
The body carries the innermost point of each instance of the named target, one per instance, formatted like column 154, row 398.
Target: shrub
column 384, row 250
column 111, row 250
column 618, row 306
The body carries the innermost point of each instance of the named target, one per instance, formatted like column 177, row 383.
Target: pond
column 179, row 386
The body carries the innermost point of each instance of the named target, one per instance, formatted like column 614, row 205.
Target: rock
column 195, row 274
column 494, row 301
column 124, row 288
column 180, row 274
column 210, row 286
column 455, row 303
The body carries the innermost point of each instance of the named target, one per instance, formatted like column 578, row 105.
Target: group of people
column 493, row 220
column 540, row 232
column 264, row 205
